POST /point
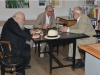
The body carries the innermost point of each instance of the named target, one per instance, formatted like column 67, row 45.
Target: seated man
column 44, row 21
column 14, row 31
column 82, row 26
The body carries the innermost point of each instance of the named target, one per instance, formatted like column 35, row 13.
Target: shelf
column 92, row 9
column 92, row 18
column 90, row 5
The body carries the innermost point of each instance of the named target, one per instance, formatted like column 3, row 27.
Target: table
column 66, row 21
column 65, row 38
column 92, row 58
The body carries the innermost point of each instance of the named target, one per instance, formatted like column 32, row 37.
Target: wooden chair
column 9, row 62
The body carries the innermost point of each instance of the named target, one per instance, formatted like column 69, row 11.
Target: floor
column 40, row 66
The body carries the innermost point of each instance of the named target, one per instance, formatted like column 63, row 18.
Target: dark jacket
column 17, row 37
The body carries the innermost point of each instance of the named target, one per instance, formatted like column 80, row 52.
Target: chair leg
column 45, row 49
column 23, row 69
column 2, row 70
column 14, row 73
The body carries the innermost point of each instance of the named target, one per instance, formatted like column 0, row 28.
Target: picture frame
column 54, row 3
column 16, row 4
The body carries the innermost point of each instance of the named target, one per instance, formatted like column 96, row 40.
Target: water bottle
column 70, row 13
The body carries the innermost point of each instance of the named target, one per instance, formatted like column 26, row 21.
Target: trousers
column 80, row 42
column 43, row 47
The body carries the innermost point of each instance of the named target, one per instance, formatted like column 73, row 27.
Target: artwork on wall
column 42, row 2
column 55, row 3
column 17, row 3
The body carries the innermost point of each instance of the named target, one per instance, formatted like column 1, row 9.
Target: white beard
column 21, row 26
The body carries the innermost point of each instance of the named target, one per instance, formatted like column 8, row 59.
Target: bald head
column 19, row 17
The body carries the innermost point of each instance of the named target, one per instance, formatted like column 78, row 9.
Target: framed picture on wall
column 17, row 3
column 42, row 2
column 55, row 3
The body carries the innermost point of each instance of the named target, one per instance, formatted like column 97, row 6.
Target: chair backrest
column 1, row 47
column 2, row 51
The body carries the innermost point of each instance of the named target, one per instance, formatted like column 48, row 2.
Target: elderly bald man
column 15, row 32
column 82, row 26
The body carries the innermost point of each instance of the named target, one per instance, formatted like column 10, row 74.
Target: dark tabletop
column 63, row 35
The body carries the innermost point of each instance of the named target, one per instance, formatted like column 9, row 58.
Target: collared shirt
column 47, row 22
column 78, row 19
column 77, row 22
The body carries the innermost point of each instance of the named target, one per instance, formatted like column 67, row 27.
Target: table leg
column 35, row 47
column 74, row 53
column 50, row 50
column 39, row 49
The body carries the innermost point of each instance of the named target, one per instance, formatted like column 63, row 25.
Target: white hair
column 78, row 11
column 47, row 7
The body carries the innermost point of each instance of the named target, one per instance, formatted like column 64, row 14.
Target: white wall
column 34, row 10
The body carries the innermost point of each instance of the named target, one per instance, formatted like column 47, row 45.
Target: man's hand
column 64, row 29
column 44, row 26
column 32, row 32
column 36, row 36
column 48, row 26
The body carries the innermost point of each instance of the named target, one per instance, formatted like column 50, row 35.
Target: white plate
column 38, row 31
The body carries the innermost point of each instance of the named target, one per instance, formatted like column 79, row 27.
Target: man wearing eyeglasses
column 45, row 20
column 83, row 26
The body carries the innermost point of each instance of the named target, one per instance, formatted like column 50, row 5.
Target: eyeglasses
column 51, row 11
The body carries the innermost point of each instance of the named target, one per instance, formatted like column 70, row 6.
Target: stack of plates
column 38, row 31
